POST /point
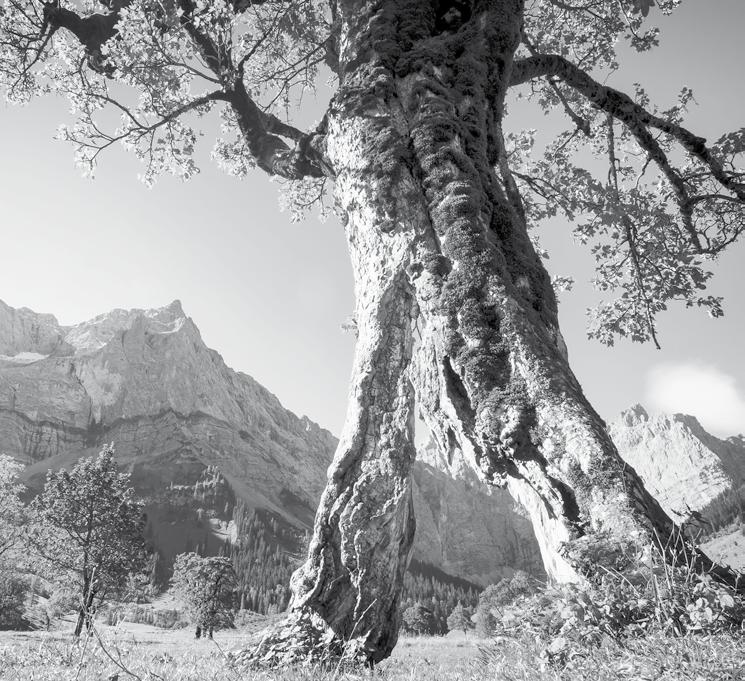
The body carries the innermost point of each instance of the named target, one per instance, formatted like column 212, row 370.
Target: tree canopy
column 459, row 619
column 418, row 619
column 145, row 73
column 89, row 527
column 207, row 585
column 11, row 506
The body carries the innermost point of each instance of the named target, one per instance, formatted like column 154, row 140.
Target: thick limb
column 493, row 374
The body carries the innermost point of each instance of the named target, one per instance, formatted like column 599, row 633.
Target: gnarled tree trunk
column 347, row 595
column 437, row 234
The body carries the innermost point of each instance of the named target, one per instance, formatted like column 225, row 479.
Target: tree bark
column 79, row 623
column 437, row 235
column 347, row 595
column 85, row 613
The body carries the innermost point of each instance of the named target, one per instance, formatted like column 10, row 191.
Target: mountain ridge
column 682, row 464
column 146, row 380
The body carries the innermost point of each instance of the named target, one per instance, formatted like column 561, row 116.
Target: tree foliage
column 438, row 591
column 418, row 619
column 13, row 591
column 207, row 586
column 11, row 507
column 144, row 73
column 88, row 527
column 495, row 597
column 460, row 619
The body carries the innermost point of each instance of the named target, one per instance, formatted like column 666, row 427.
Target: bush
column 63, row 601
column 418, row 620
column 638, row 594
column 12, row 597
column 495, row 597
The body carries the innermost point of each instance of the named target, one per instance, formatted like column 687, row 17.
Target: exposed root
column 303, row 638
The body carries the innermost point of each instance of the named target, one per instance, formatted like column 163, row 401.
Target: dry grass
column 141, row 652
column 136, row 651
column 652, row 658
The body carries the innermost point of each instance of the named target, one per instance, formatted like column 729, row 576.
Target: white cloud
column 704, row 391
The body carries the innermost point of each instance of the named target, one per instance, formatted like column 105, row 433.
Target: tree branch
column 630, row 235
column 262, row 132
column 639, row 121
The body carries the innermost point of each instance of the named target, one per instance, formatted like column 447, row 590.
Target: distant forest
column 268, row 551
column 265, row 549
column 723, row 510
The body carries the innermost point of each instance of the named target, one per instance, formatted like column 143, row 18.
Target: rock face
column 681, row 464
column 145, row 380
column 467, row 528
column 24, row 333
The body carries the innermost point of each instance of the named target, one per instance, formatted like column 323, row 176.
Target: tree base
column 303, row 638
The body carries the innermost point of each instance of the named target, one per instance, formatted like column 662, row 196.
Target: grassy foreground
column 146, row 653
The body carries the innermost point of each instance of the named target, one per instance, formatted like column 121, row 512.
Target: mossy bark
column 439, row 241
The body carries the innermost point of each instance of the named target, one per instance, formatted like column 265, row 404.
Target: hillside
column 200, row 438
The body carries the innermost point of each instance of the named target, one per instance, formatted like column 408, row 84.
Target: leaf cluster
column 88, row 524
column 418, row 619
column 207, row 586
column 637, row 593
column 12, row 511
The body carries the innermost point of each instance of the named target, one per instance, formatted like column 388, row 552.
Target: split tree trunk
column 436, row 232
column 347, row 595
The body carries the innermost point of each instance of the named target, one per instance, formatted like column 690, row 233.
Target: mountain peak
column 634, row 415
column 172, row 311
column 681, row 464
column 25, row 332
column 92, row 335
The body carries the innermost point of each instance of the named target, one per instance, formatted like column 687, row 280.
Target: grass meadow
column 145, row 653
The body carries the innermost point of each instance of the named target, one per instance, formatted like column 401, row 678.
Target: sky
column 271, row 296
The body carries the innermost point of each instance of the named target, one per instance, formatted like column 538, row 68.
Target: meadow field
column 146, row 653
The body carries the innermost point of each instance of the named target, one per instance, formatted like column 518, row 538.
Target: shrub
column 418, row 620
column 495, row 597
column 12, row 596
column 637, row 594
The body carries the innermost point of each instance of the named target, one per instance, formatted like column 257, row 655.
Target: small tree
column 496, row 596
column 207, row 585
column 459, row 619
column 12, row 586
column 88, row 524
column 486, row 621
column 419, row 620
column 11, row 507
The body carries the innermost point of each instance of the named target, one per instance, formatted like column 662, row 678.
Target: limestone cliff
column 681, row 464
column 178, row 415
column 464, row 526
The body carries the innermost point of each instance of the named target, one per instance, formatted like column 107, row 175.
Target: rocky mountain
column 465, row 527
column 201, row 438
column 685, row 467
